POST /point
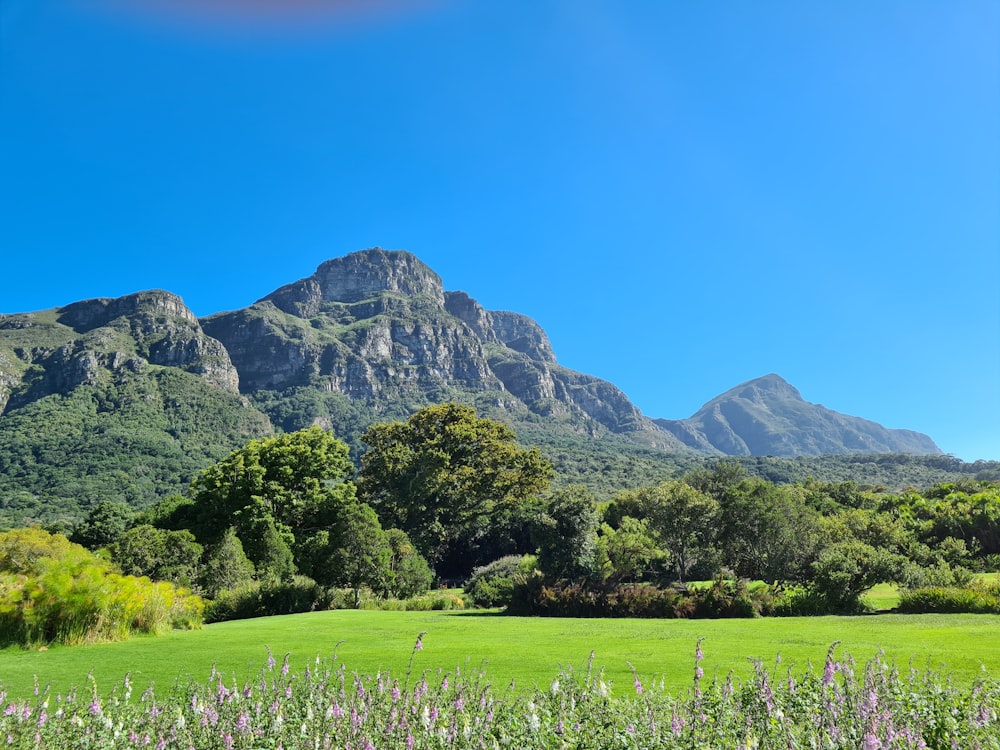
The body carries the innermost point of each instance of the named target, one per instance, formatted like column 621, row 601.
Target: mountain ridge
column 379, row 327
column 131, row 396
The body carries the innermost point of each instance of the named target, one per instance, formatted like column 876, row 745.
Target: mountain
column 129, row 398
column 112, row 398
column 375, row 332
column 768, row 417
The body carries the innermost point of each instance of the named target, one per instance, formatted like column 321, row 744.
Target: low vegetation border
column 527, row 651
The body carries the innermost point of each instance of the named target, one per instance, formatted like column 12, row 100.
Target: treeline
column 285, row 524
column 150, row 436
column 767, row 548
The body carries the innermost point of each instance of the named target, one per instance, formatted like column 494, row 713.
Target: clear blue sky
column 684, row 195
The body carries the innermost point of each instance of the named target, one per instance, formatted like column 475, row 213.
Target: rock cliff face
column 377, row 326
column 55, row 351
column 768, row 417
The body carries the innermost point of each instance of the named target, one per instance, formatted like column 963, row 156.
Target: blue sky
column 684, row 195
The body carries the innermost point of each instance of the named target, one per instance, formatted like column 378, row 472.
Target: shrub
column 492, row 585
column 729, row 596
column 53, row 591
column 943, row 599
column 798, row 601
column 257, row 599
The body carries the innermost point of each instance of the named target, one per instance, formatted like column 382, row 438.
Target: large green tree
column 160, row 554
column 276, row 493
column 681, row 519
column 442, row 471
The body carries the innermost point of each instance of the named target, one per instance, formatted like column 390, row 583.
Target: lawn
column 528, row 651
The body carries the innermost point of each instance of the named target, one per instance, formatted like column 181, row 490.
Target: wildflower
column 828, row 672
column 676, row 723
column 554, row 686
column 638, row 686
column 534, row 723
column 284, row 665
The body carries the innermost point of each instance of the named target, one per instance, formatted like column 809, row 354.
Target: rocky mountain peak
column 763, row 389
column 359, row 276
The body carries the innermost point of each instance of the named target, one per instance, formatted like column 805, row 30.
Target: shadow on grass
column 476, row 613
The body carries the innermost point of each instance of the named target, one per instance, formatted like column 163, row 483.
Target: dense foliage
column 146, row 437
column 440, row 473
column 817, row 547
column 54, row 591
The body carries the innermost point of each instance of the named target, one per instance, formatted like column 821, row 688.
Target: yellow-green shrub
column 53, row 591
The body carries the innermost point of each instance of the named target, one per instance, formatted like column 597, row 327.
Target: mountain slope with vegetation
column 129, row 398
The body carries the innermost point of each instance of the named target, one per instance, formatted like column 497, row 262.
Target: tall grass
column 52, row 592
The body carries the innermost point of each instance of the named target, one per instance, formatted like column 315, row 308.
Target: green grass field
column 527, row 650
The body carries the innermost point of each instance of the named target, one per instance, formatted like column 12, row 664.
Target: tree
column 106, row 521
column 767, row 532
column 567, row 535
column 409, row 573
column 363, row 557
column 628, row 552
column 682, row 520
column 435, row 475
column 276, row 493
column 226, row 565
column 845, row 570
column 159, row 554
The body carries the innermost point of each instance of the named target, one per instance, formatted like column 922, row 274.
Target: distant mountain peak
column 767, row 416
column 762, row 389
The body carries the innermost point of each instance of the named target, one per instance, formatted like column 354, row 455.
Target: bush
column 729, row 596
column 941, row 599
column 53, row 591
column 255, row 599
column 492, row 585
column 799, row 601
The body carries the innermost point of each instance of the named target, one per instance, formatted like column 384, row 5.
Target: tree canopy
column 276, row 493
column 443, row 469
